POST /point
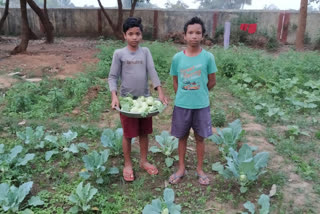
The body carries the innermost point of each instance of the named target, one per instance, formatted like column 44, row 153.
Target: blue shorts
column 197, row 119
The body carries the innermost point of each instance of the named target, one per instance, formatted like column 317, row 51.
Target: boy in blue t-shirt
column 193, row 72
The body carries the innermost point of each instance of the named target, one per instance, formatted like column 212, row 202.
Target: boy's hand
column 162, row 97
column 115, row 101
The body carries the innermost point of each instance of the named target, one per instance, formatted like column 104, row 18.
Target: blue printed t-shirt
column 192, row 73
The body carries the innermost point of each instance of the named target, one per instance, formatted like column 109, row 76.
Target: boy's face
column 193, row 35
column 133, row 36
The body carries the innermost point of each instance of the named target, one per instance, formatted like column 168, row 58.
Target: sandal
column 203, row 180
column 175, row 179
column 152, row 170
column 128, row 175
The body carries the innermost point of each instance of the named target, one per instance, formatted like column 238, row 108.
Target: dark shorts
column 197, row 119
column 133, row 127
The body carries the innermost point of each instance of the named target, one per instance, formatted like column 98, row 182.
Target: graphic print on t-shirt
column 190, row 77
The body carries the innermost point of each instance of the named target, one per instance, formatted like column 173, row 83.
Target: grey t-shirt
column 133, row 69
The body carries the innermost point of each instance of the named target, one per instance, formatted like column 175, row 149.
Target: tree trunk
column 117, row 29
column 22, row 47
column 5, row 14
column 302, row 25
column 133, row 6
column 48, row 27
column 32, row 35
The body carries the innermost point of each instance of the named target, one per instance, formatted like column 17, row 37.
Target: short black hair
column 132, row 22
column 194, row 20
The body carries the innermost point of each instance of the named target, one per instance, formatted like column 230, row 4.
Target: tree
column 44, row 18
column 126, row 4
column 223, row 4
column 5, row 14
column 25, row 31
column 117, row 27
column 50, row 3
column 178, row 5
column 302, row 24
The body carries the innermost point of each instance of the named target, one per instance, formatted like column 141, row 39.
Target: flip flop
column 128, row 175
column 151, row 170
column 203, row 180
column 175, row 179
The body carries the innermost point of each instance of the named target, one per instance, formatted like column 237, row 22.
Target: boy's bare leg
column 200, row 154
column 126, row 146
column 144, row 142
column 182, row 148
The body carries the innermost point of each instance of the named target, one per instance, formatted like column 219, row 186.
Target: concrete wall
column 157, row 23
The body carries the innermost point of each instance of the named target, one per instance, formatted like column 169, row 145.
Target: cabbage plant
column 163, row 205
column 228, row 137
column 167, row 144
column 81, row 198
column 11, row 197
column 62, row 143
column 243, row 166
column 95, row 164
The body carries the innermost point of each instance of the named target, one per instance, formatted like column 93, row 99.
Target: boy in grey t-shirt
column 133, row 65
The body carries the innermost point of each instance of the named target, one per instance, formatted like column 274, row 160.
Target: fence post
column 99, row 22
column 215, row 23
column 155, row 24
column 283, row 27
column 227, row 26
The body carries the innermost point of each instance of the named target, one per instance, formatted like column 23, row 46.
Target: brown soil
column 64, row 58
column 296, row 191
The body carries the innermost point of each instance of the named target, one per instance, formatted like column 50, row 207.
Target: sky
column 256, row 4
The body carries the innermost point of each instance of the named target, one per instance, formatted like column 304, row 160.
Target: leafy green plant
column 264, row 202
column 33, row 138
column 94, row 163
column 294, row 131
column 11, row 197
column 163, row 206
column 228, row 137
column 81, row 198
column 167, row 144
column 218, row 117
column 15, row 158
column 113, row 140
column 62, row 143
column 243, row 166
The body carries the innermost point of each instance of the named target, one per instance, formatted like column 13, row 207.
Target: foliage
column 228, row 137
column 222, row 4
column 264, row 202
column 218, row 117
column 167, row 146
column 94, row 163
column 81, row 197
column 113, row 140
column 105, row 55
column 32, row 138
column 243, row 166
column 178, row 5
column 273, row 88
column 11, row 197
column 10, row 160
column 62, row 143
column 163, row 206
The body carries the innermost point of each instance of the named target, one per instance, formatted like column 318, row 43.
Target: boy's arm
column 113, row 79
column 154, row 78
column 175, row 83
column 211, row 81
column 162, row 97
